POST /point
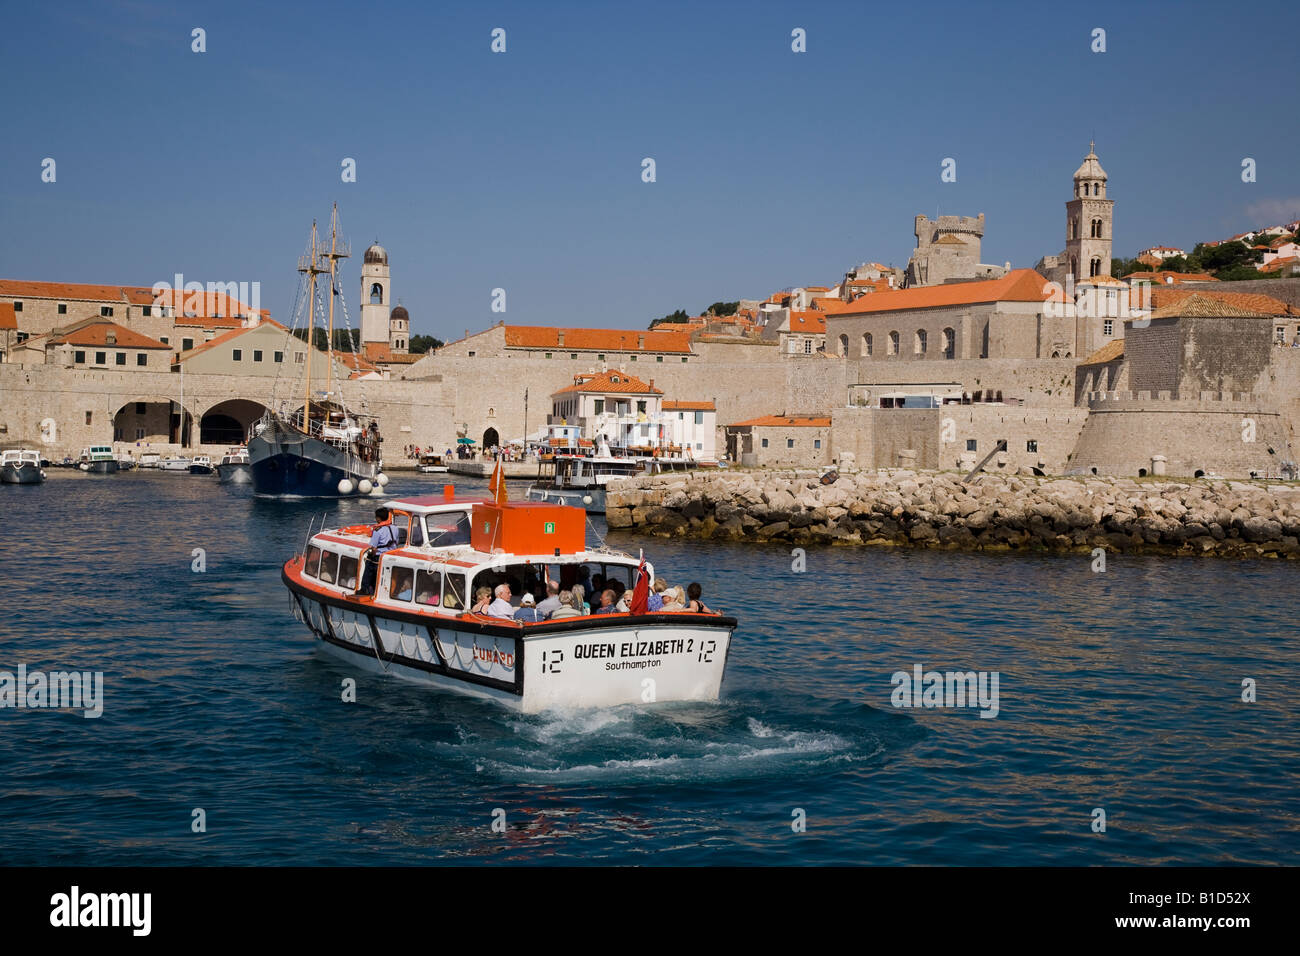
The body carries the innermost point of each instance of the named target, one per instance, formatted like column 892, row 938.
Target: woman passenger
column 482, row 598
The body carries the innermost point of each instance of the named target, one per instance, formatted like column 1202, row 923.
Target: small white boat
column 430, row 464
column 98, row 460
column 201, row 465
column 235, row 468
column 419, row 624
column 175, row 463
column 150, row 459
column 21, row 466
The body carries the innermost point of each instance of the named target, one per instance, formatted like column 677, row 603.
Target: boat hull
column 577, row 497
column 100, row 467
column 21, row 475
column 237, row 474
column 201, row 470
column 602, row 661
column 289, row 464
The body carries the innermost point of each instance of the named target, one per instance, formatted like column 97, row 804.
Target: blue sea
column 1119, row 692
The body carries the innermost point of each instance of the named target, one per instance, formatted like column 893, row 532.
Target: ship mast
column 336, row 253
column 310, row 264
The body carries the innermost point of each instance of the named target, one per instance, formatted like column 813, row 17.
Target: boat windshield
column 448, row 529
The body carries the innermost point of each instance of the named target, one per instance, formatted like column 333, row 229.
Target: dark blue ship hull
column 291, row 475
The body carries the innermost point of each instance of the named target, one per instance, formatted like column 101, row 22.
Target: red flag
column 640, row 603
column 498, row 483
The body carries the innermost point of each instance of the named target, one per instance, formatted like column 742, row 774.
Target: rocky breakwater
column 991, row 513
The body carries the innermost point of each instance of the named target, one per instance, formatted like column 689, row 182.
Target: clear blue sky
column 522, row 170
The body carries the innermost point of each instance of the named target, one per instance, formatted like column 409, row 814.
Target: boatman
column 382, row 540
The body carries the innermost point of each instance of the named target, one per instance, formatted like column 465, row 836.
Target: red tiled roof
column 596, row 340
column 1279, row 264
column 670, row 406
column 20, row 288
column 822, row 302
column 611, row 381
column 808, row 321
column 1107, row 353
column 8, row 318
column 1019, row 285
column 202, row 304
column 95, row 335
column 766, row 421
column 1167, row 277
column 1251, row 301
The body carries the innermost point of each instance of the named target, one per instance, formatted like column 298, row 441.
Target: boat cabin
column 20, row 456
column 448, row 548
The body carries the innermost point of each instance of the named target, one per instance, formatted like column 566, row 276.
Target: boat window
column 448, row 529
column 399, row 588
column 453, row 592
column 348, row 573
column 428, row 587
column 417, row 532
column 329, row 567
column 312, row 562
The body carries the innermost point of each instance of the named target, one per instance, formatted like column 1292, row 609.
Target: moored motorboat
column 175, row 463
column 98, row 460
column 201, row 465
column 417, row 625
column 430, row 465
column 150, row 459
column 234, row 468
column 21, row 466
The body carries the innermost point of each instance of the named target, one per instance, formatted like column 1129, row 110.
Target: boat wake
column 686, row 744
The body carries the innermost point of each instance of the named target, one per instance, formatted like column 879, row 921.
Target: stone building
column 776, row 441
column 615, row 406
column 1089, row 227
column 948, row 250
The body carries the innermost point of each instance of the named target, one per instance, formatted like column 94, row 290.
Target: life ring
column 363, row 529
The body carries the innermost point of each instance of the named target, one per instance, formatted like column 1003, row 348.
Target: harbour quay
column 990, row 512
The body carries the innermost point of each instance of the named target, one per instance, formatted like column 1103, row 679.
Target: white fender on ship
column 364, row 486
column 381, row 479
column 345, row 487
column 586, row 499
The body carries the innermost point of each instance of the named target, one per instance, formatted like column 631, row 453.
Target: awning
column 465, row 441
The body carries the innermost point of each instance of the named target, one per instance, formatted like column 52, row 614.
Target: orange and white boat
column 418, row 624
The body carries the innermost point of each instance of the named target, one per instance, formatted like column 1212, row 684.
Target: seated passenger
column 694, row 603
column 402, row 583
column 566, row 608
column 428, row 593
column 655, row 600
column 501, row 607
column 674, row 600
column 527, row 609
column 552, row 603
column 580, row 600
column 482, row 599
column 621, row 595
column 606, row 602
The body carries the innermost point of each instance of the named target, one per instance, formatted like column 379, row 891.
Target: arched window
column 1074, row 228
column 893, row 343
column 1085, row 189
column 376, row 294
column 844, row 345
column 1096, row 229
column 949, row 343
column 1094, row 267
column 1074, row 266
column 918, row 346
column 866, row 344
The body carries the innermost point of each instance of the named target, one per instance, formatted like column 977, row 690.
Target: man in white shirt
column 502, row 607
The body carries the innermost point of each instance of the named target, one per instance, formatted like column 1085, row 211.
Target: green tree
column 678, row 316
column 1174, row 264
column 723, row 308
column 1122, row 267
column 421, row 344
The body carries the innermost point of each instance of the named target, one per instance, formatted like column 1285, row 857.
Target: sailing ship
column 420, row 622
column 322, row 449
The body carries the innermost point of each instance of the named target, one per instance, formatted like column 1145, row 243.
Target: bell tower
column 376, row 292
column 1088, row 221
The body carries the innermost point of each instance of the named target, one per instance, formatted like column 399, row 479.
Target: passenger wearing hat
column 527, row 609
column 674, row 600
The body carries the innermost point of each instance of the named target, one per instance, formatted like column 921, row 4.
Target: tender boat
column 175, row 463
column 201, row 465
column 234, row 468
column 21, row 466
column 430, row 464
column 98, row 460
column 417, row 626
